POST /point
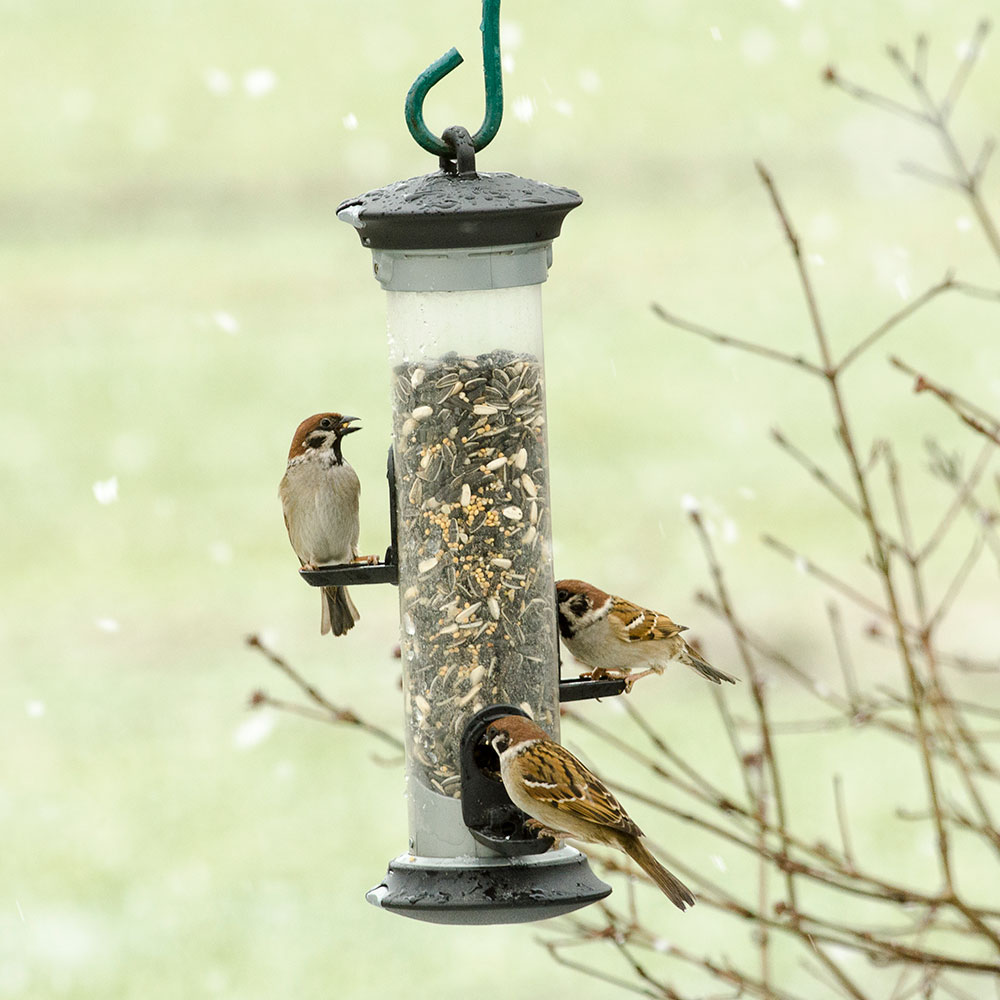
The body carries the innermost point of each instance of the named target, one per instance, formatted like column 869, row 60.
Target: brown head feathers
column 320, row 430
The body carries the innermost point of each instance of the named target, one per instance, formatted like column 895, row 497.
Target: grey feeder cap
column 445, row 211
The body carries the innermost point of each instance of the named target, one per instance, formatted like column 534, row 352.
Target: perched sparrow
column 319, row 496
column 613, row 636
column 566, row 799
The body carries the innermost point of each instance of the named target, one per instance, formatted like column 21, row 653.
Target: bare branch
column 947, row 283
column 334, row 713
column 965, row 65
column 726, row 341
column 970, row 414
column 876, row 100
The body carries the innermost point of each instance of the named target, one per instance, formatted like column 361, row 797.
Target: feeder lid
column 445, row 211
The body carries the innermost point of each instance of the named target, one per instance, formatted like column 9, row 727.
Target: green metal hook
column 440, row 68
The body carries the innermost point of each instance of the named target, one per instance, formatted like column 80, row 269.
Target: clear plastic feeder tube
column 476, row 586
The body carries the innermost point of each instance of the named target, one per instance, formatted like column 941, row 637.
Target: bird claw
column 632, row 678
column 539, row 830
column 365, row 560
column 603, row 674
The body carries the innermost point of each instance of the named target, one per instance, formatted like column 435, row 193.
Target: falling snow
column 589, row 81
column 719, row 863
column 813, row 40
column 149, row 132
column 563, row 107
column 661, row 945
column 220, row 552
column 218, row 81
column 106, row 490
column 716, row 33
column 963, row 223
column 109, row 625
column 523, row 108
column 260, row 81
column 730, row 533
column 758, row 46
column 690, row 504
column 892, row 269
column 747, row 493
column 253, row 730
column 507, row 61
column 802, row 564
column 34, row 708
column 226, row 322
column 350, row 121
column 511, row 35
column 823, row 226
column 78, row 105
column 284, row 770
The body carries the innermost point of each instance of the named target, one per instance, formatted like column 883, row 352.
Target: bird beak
column 344, row 429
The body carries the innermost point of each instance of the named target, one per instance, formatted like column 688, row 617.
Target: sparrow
column 615, row 637
column 566, row 799
column 319, row 496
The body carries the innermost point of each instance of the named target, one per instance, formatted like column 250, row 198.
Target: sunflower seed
column 475, row 594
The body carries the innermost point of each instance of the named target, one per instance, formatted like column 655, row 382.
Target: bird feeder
column 462, row 256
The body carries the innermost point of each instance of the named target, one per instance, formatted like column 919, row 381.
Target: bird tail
column 339, row 612
column 692, row 659
column 671, row 886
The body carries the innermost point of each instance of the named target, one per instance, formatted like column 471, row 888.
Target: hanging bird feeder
column 462, row 256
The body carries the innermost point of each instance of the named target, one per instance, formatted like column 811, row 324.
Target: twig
column 962, row 408
column 963, row 496
column 832, row 76
column 726, row 341
column 843, row 655
column 845, row 837
column 334, row 712
column 945, row 284
column 965, row 65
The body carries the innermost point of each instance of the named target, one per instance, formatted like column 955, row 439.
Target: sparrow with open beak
column 319, row 496
column 617, row 638
column 567, row 800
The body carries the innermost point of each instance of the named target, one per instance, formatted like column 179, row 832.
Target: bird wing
column 630, row 623
column 553, row 777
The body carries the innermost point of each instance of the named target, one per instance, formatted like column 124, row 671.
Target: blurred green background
column 176, row 294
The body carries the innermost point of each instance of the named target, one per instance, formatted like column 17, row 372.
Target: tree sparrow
column 615, row 637
column 319, row 496
column 566, row 799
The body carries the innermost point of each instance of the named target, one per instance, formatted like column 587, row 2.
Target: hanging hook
column 440, row 68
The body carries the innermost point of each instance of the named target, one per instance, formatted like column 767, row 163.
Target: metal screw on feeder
column 461, row 256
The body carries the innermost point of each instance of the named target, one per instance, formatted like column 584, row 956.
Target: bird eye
column 562, row 595
column 326, row 423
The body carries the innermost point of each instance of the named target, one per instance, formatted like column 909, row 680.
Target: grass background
column 176, row 294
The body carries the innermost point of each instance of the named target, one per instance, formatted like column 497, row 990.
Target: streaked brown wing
column 634, row 624
column 554, row 777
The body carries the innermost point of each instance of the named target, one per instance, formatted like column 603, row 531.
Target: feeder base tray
column 488, row 890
